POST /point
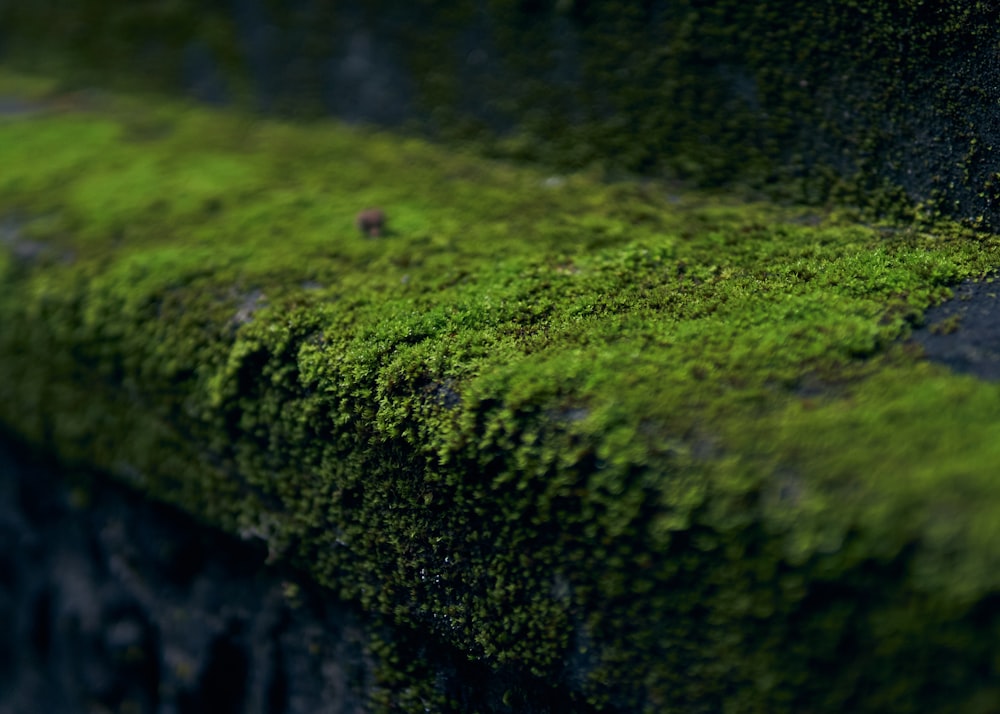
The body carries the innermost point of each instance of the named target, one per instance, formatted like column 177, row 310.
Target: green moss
column 665, row 448
column 806, row 101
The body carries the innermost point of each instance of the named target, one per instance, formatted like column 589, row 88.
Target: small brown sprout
column 371, row 222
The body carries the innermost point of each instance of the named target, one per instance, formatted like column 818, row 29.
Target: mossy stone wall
column 635, row 449
column 571, row 431
column 863, row 102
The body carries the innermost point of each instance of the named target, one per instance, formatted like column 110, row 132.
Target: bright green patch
column 666, row 447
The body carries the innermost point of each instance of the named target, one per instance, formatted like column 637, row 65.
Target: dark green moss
column 831, row 101
column 666, row 450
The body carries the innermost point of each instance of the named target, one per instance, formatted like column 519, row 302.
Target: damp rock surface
column 964, row 332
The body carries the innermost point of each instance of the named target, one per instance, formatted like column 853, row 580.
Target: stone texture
column 115, row 604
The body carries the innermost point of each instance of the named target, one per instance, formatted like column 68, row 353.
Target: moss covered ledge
column 668, row 451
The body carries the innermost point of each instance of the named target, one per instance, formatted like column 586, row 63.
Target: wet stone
column 964, row 332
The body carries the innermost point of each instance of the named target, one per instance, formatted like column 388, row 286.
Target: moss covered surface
column 809, row 99
column 665, row 450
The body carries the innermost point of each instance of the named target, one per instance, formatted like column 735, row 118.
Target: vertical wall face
column 833, row 96
column 110, row 601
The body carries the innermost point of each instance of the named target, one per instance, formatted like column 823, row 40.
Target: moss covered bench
column 668, row 451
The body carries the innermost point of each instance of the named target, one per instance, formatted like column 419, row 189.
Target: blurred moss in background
column 876, row 103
